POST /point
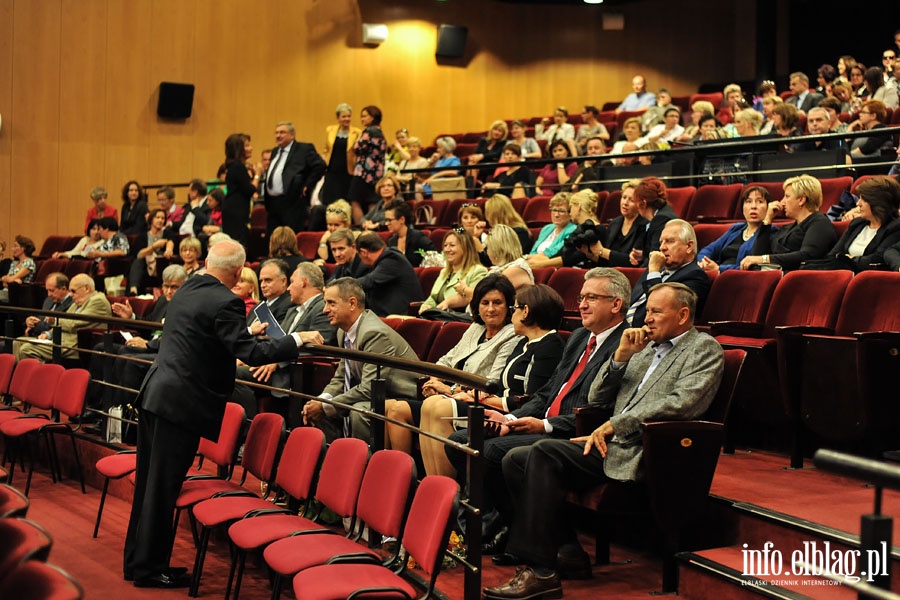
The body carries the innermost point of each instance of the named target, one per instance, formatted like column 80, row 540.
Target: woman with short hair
column 399, row 219
column 338, row 154
column 370, row 152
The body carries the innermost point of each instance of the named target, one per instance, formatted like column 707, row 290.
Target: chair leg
column 198, row 561
column 30, row 469
column 52, row 458
column 231, row 570
column 276, row 587
column 241, row 558
column 77, row 463
column 100, row 508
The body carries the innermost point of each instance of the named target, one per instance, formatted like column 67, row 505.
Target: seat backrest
column 42, row 386
column 775, row 189
column 21, row 377
column 428, row 525
column 49, row 265
column 13, row 503
column 7, row 366
column 299, row 461
column 832, row 189
column 385, row 491
column 632, row 273
column 36, row 580
column 57, row 243
column 721, row 403
column 419, row 334
column 714, row 97
column 870, row 303
column 308, row 243
column 742, row 296
column 680, row 198
column 537, row 211
column 807, row 298
column 707, row 233
column 21, row 540
column 612, row 208
column 78, row 265
column 714, row 201
column 262, row 445
column 568, row 281
column 427, row 277
column 224, row 451
column 543, row 274
column 341, row 475
column 447, row 337
column 70, row 391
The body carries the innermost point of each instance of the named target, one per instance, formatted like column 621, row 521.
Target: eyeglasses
column 334, row 211
column 591, row 298
column 866, row 112
column 389, row 220
column 517, row 306
column 559, row 210
column 888, row 57
column 469, row 204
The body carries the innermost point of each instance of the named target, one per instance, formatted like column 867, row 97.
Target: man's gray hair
column 174, row 273
column 348, row 288
column 686, row 233
column 227, row 255
column 618, row 285
column 287, row 124
column 312, row 274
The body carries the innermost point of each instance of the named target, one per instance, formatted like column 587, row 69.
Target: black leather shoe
column 497, row 544
column 174, row 571
column 506, row 560
column 164, row 580
column 526, row 585
column 574, row 566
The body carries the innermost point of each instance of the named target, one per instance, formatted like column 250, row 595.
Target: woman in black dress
column 236, row 208
column 134, row 209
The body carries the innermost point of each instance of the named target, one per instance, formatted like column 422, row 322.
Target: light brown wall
column 79, row 79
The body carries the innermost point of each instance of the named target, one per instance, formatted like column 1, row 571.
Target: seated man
column 305, row 316
column 676, row 260
column 818, row 123
column 640, row 99
column 343, row 247
column 85, row 301
column 674, row 378
column 273, row 283
column 587, row 176
column 654, row 114
column 359, row 329
column 392, row 283
column 802, row 97
column 58, row 299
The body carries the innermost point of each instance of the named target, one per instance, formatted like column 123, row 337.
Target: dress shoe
column 507, row 560
column 167, row 580
column 574, row 566
column 527, row 585
column 496, row 544
column 174, row 571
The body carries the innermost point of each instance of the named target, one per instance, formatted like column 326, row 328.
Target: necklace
column 747, row 234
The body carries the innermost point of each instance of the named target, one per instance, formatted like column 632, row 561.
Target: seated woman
column 632, row 130
column 652, row 200
column 537, row 312
column 22, row 267
column 527, row 145
column 189, row 251
column 871, row 117
column 768, row 109
column 443, row 160
column 591, row 127
column 471, row 218
column 554, row 175
column 85, row 244
column 550, row 240
column 582, row 212
column 387, row 189
column 498, row 210
column 482, row 350
column 415, row 161
column 559, row 129
column 876, row 229
column 247, row 289
column 699, row 109
column 785, row 118
column 729, row 250
column 623, row 234
column 398, row 216
column 213, row 224
column 338, row 215
column 809, row 237
column 489, row 150
column 158, row 242
column 878, row 88
column 511, row 180
column 283, row 245
column 462, row 271
column 505, row 253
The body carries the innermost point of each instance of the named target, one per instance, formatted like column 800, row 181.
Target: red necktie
column 557, row 402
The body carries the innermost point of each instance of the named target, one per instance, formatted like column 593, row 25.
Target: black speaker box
column 176, row 100
column 451, row 41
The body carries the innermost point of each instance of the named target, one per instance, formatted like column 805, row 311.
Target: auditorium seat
column 832, row 190
column 715, row 98
column 13, row 503
column 447, row 337
column 22, row 540
column 714, row 203
column 427, row 276
column 543, row 274
column 707, row 233
column 568, row 281
column 47, row 266
column 419, row 334
column 679, row 198
column 632, row 273
column 438, row 207
column 611, row 208
column 437, row 238
column 740, row 296
column 308, row 243
column 57, row 243
column 37, row 580
column 537, row 211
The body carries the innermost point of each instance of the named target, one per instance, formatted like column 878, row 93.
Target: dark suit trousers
column 539, row 478
column 165, row 452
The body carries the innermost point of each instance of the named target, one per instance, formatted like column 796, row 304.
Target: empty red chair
column 715, row 98
column 7, row 366
column 740, row 296
column 680, row 198
column 537, row 211
column 18, row 384
column 447, row 337
column 832, row 190
column 543, row 274
column 612, row 207
column 707, row 233
column 21, row 540
column 36, row 580
column 13, row 503
column 632, row 273
column 714, row 202
column 308, row 243
column 568, row 281
column 419, row 334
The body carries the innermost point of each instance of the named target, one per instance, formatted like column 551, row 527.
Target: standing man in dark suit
column 273, row 284
column 392, row 283
column 676, row 261
column 183, row 399
column 663, row 371
column 294, row 169
column 58, row 299
column 803, row 98
column 603, row 303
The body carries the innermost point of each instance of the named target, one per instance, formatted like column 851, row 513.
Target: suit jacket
column 531, row 365
column 42, row 325
column 486, row 358
column 355, row 269
column 657, row 224
column 303, row 167
column 331, row 134
column 564, row 423
column 887, row 236
column 193, row 375
column 797, row 242
column 811, row 101
column 372, row 335
column 391, row 284
column 682, row 387
column 313, row 319
column 690, row 275
column 96, row 305
column 415, row 241
column 279, row 308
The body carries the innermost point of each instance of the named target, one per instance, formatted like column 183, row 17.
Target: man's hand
column 258, row 327
column 657, row 261
column 495, row 419
column 633, row 340
column 137, row 342
column 597, row 439
column 527, row 425
column 123, row 310
column 263, row 373
column 312, row 412
column 31, row 322
column 311, row 337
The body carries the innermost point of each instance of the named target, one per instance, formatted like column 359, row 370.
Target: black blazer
column 651, row 237
column 564, row 423
column 690, row 275
column 355, row 269
column 887, row 236
column 303, row 167
column 133, row 220
column 620, row 246
column 415, row 240
column 193, row 375
column 797, row 242
column 530, row 367
column 42, row 325
column 391, row 284
column 236, row 206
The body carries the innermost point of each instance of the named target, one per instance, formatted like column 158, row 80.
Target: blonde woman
column 247, row 289
column 462, row 272
column 189, row 250
column 498, row 210
column 489, row 149
column 699, row 109
column 583, row 213
column 505, row 254
column 339, row 215
column 768, row 105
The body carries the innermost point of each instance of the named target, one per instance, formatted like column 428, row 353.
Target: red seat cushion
column 339, row 581
column 256, row 532
column 117, row 466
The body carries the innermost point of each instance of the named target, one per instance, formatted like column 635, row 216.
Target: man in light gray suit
column 663, row 371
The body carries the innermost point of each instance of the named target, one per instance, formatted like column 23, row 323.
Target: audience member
column 58, row 300
column 699, row 109
column 527, row 145
column 338, row 215
column 538, row 477
column 247, row 289
column 833, row 107
column 197, row 210
column 100, row 209
column 560, row 131
column 888, row 57
column 412, row 243
column 879, row 89
column 241, row 188
column 504, row 249
column 415, row 161
column 550, row 240
column 85, row 244
column 768, row 108
column 654, row 114
column 767, row 89
column 587, row 175
column 809, row 237
column 652, row 201
column 511, row 180
column 342, row 245
column 488, row 150
column 463, row 270
column 817, row 122
column 112, row 243
column 498, row 210
column 871, row 117
column 803, row 99
column 843, row 93
column 283, row 245
column 858, row 81
column 729, row 250
column 359, row 329
column 825, row 76
column 639, row 99
column 134, row 209
column 391, row 283
column 748, row 122
column 338, row 153
column 22, row 268
column 590, row 129
column 387, row 189
column 156, row 243
column 844, row 64
column 623, row 234
column 370, row 151
column 554, row 176
column 399, row 150
column 583, row 213
column 295, row 169
column 165, row 199
column 443, row 160
column 632, row 130
column 273, row 284
column 668, row 131
column 189, row 251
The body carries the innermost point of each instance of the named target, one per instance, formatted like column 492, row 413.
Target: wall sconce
column 374, row 33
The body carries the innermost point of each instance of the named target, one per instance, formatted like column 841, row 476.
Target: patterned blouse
column 371, row 150
column 25, row 263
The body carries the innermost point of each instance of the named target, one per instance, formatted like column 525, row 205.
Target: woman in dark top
column 134, row 209
column 387, row 188
column 810, row 237
column 488, row 150
column 512, row 180
column 623, row 234
column 876, row 229
column 727, row 252
column 236, row 208
column 283, row 245
column 871, row 116
column 652, row 201
column 370, row 151
column 158, row 242
column 398, row 217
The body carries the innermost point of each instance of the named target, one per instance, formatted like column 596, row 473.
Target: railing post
column 56, row 336
column 9, row 330
column 379, row 391
column 475, row 485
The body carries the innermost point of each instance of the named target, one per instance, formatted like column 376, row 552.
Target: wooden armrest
column 589, row 418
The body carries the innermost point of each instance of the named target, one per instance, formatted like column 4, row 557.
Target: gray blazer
column 682, row 387
column 487, row 359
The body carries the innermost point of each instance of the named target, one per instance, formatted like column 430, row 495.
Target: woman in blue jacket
column 726, row 252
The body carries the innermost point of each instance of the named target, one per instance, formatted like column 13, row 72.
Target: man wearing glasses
column 58, row 299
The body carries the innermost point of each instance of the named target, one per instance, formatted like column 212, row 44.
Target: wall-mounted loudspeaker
column 176, row 100
column 451, row 41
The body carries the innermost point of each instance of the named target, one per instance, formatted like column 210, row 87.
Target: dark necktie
column 579, row 368
column 270, row 176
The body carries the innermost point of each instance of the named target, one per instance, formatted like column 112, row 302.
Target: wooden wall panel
column 6, row 70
